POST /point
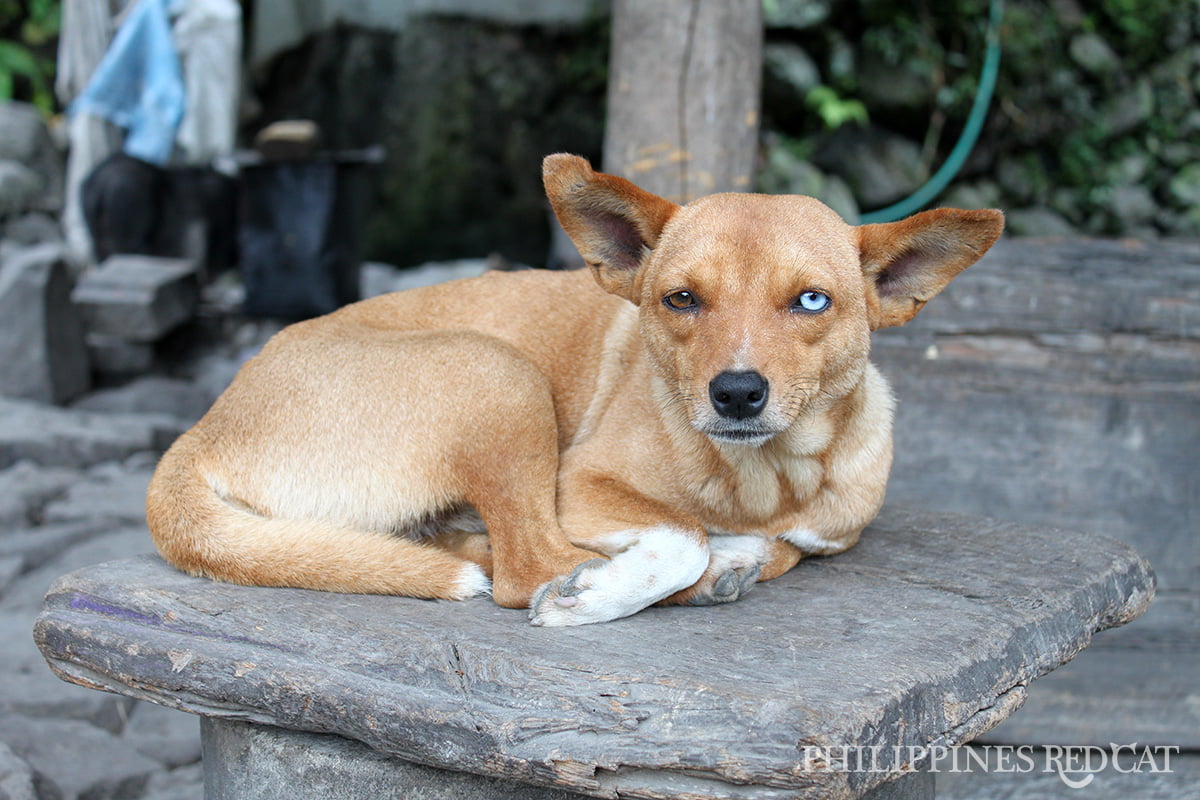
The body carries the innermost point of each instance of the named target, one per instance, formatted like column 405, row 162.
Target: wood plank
column 683, row 95
column 926, row 633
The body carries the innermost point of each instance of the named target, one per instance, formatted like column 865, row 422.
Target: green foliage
column 1143, row 25
column 833, row 109
column 29, row 30
column 585, row 67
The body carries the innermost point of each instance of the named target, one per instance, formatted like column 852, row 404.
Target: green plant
column 833, row 109
column 29, row 30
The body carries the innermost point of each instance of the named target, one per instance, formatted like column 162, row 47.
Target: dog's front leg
column 736, row 563
column 651, row 555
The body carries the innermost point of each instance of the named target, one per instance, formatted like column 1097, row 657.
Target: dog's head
column 752, row 306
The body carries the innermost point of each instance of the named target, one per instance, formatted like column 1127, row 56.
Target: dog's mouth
column 749, row 435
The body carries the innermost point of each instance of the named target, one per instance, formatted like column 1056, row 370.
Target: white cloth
column 86, row 30
column 208, row 36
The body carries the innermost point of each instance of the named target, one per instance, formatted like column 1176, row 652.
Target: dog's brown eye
column 681, row 301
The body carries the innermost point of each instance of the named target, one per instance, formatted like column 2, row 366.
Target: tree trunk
column 683, row 95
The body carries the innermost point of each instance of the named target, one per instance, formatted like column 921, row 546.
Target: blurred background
column 179, row 178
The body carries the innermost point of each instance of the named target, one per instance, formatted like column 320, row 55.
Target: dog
column 694, row 416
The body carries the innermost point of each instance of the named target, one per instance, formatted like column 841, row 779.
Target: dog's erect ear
column 908, row 262
column 610, row 220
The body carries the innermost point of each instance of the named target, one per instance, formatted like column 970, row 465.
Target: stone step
column 138, row 298
column 42, row 354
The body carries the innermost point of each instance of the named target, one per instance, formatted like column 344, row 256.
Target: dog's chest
column 759, row 490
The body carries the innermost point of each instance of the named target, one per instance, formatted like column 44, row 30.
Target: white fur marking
column 657, row 563
column 736, row 552
column 811, row 541
column 473, row 583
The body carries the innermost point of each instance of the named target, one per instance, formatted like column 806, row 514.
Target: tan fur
column 569, row 411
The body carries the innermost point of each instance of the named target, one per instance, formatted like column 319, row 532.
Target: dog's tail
column 199, row 531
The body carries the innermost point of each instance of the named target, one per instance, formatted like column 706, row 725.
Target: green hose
column 966, row 142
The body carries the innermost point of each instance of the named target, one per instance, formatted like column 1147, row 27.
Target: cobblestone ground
column 72, row 493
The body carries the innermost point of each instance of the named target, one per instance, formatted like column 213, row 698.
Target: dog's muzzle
column 738, row 395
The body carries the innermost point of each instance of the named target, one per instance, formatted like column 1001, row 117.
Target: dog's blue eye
column 681, row 301
column 811, row 302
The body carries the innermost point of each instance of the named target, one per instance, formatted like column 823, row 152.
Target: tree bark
column 683, row 95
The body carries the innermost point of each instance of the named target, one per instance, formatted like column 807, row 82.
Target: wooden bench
column 926, row 634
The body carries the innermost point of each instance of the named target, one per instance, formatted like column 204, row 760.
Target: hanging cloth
column 138, row 85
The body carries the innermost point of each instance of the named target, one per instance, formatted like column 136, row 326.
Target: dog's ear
column 612, row 222
column 906, row 263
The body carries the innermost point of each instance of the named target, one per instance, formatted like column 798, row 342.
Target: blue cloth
column 138, row 85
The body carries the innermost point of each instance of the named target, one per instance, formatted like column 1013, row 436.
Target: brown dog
column 700, row 424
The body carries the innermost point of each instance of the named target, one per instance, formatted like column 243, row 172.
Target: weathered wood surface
column 1058, row 383
column 683, row 95
column 926, row 633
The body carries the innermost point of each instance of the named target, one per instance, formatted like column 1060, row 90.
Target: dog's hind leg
column 510, row 477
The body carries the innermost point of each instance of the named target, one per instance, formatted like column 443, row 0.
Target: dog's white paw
column 659, row 562
column 733, row 569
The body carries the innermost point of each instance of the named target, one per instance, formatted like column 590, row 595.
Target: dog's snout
column 738, row 395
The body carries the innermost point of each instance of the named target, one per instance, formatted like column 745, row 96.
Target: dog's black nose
column 738, row 395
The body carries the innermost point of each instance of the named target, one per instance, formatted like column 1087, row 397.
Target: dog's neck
column 726, row 481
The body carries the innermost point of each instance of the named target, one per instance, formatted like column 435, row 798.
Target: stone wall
column 466, row 110
column 1092, row 128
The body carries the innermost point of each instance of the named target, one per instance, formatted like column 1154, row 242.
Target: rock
column 56, row 437
column 1090, row 51
column 788, row 63
column 1021, row 180
column 376, row 278
column 1132, row 169
column 879, row 166
column 789, row 74
column 1184, row 188
column 113, row 543
column 110, row 771
column 138, row 298
column 33, row 228
column 16, row 776
column 10, row 568
column 168, row 736
column 1132, row 206
column 438, row 272
column 25, row 138
column 113, row 492
column 153, row 394
column 118, row 358
column 1176, row 223
column 20, row 188
column 980, row 194
column 185, row 783
column 42, row 355
column 212, row 374
column 25, row 488
column 34, row 546
column 784, row 173
column 30, row 689
column 1037, row 221
column 1128, row 109
column 795, row 14
column 906, row 86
